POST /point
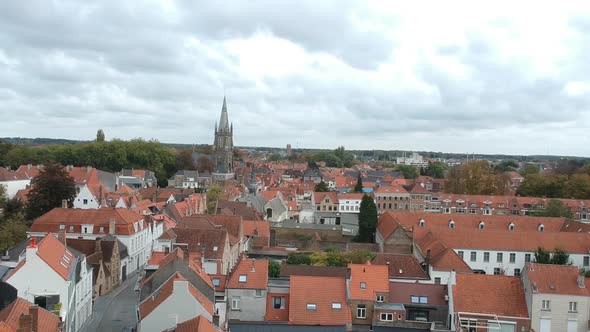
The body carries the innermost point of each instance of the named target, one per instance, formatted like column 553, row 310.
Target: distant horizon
column 303, row 148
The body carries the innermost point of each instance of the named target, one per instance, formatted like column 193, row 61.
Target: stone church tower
column 224, row 147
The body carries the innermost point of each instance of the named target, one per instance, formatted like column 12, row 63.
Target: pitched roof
column 321, row 291
column 255, row 272
column 166, row 289
column 319, row 197
column 441, row 257
column 489, row 294
column 288, row 270
column 51, row 221
column 7, row 175
column 197, row 324
column 374, row 278
column 237, row 208
column 276, row 315
column 402, row 292
column 394, row 188
column 353, row 196
column 556, row 279
column 233, row 224
column 9, row 317
column 212, row 240
column 401, row 266
column 256, row 228
column 56, row 255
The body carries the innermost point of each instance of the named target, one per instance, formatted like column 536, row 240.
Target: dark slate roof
column 122, row 250
column 14, row 252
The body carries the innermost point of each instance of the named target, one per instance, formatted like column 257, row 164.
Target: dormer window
column 62, row 227
column 243, row 278
column 215, row 248
column 71, row 228
column 422, row 222
column 511, row 226
column 482, row 225
column 541, row 228
column 452, row 224
column 363, row 285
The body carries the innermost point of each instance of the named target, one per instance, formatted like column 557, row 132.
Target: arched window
column 421, row 223
column 541, row 228
column 482, row 225
column 511, row 226
column 452, row 224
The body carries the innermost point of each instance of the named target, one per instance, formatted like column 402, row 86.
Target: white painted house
column 55, row 279
column 87, row 198
column 13, row 181
column 349, row 203
column 131, row 228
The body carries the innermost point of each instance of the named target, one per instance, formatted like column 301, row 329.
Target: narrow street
column 115, row 311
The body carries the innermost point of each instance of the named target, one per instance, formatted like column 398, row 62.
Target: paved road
column 116, row 310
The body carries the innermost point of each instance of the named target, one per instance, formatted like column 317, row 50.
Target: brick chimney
column 25, row 323
column 64, row 203
column 31, row 251
column 581, row 281
column 61, row 236
column 34, row 313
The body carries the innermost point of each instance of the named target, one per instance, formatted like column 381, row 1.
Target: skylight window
column 243, row 278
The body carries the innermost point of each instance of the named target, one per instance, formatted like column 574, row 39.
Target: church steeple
column 223, row 120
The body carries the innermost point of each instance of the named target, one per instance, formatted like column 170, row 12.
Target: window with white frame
column 461, row 254
column 361, row 311
column 243, row 278
column 517, row 272
column 573, row 307
column 62, row 227
column 363, row 285
column 486, row 256
column 386, row 317
column 499, row 257
column 380, row 298
column 586, row 260
column 278, row 302
column 336, row 305
column 216, row 282
column 311, row 306
column 545, row 305
column 527, row 258
column 512, row 257
column 235, row 303
column 259, row 293
column 473, row 256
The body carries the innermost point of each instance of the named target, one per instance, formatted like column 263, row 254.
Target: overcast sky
column 488, row 77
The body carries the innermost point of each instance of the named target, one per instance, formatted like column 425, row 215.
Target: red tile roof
column 393, row 189
column 321, row 291
column 256, row 272
column 320, row 196
column 197, row 324
column 51, row 221
column 556, row 279
column 56, row 255
column 256, row 228
column 401, row 266
column 442, row 258
column 6, row 175
column 351, row 196
column 9, row 317
column 233, row 224
column 402, row 292
column 489, row 294
column 375, row 278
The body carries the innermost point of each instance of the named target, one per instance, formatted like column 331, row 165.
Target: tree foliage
column 409, row 172
column 331, row 258
column 367, row 220
column 337, row 158
column 507, row 166
column 358, row 188
column 436, row 170
column 554, row 208
column 556, row 185
column 48, row 189
column 476, row 178
column 321, row 187
column 3, row 196
column 274, row 269
column 205, row 165
column 298, row 259
column 558, row 257
column 184, row 160
column 213, row 195
column 12, row 232
column 100, row 136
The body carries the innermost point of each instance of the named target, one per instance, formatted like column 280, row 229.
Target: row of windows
column 394, row 206
column 511, row 257
column 546, row 306
column 395, row 198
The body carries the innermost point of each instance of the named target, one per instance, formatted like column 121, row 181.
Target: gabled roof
column 233, row 224
column 255, row 272
column 321, row 291
column 165, row 290
column 51, row 221
column 442, row 257
column 6, row 175
column 394, row 188
column 212, row 240
column 56, row 255
column 556, row 279
column 256, row 228
column 197, row 324
column 9, row 317
column 489, row 294
column 401, row 266
column 351, row 196
column 320, row 196
column 374, row 278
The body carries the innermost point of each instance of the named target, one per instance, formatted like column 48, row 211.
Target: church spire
column 223, row 120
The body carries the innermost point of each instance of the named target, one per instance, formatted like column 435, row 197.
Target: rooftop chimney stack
column 112, row 226
column 581, row 281
column 25, row 323
column 34, row 312
column 64, row 203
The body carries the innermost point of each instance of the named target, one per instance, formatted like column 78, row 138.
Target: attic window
column 71, row 228
column 215, row 248
column 336, row 305
column 216, row 282
column 243, row 278
column 511, row 226
column 101, row 229
column 62, row 227
column 452, row 224
column 422, row 222
column 311, row 306
column 541, row 228
column 482, row 225
column 363, row 285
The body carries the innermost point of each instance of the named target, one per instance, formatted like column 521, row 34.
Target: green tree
column 360, row 256
column 322, row 187
column 100, row 136
column 12, row 208
column 319, row 258
column 577, row 186
column 530, row 169
column 213, row 194
column 542, row 256
column 3, row 196
column 275, row 157
column 367, row 220
column 358, row 188
column 555, row 208
column 184, row 160
column 12, row 232
column 543, row 185
column 476, row 178
column 560, row 257
column 298, row 259
column 409, row 172
column 49, row 189
column 507, row 166
column 274, row 269
column 436, row 170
